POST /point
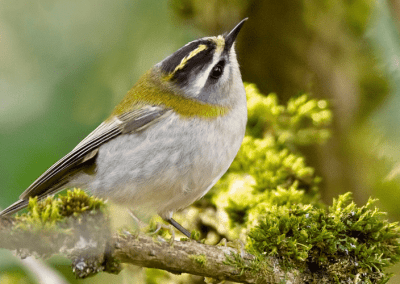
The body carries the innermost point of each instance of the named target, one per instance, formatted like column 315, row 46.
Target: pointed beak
column 231, row 37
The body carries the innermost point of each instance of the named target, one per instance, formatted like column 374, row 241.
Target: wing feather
column 87, row 149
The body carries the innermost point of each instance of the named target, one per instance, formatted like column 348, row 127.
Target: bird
column 170, row 139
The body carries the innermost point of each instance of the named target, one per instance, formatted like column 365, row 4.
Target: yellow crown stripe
column 219, row 42
column 184, row 60
column 146, row 92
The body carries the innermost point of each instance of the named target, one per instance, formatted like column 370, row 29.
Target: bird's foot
column 169, row 228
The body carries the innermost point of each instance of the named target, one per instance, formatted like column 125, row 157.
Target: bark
column 180, row 257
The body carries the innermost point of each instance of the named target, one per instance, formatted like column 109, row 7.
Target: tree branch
column 180, row 257
column 90, row 254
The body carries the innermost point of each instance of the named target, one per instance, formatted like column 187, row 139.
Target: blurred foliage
column 14, row 277
column 311, row 46
column 302, row 121
column 217, row 16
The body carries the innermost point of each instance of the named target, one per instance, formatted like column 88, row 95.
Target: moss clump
column 42, row 216
column 345, row 242
column 46, row 214
column 272, row 165
column 303, row 121
column 56, row 222
column 199, row 259
column 77, row 202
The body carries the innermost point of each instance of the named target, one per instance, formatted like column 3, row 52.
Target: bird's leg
column 178, row 226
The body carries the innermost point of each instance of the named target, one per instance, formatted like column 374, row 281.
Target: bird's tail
column 20, row 204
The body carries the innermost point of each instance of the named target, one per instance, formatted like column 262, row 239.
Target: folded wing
column 84, row 154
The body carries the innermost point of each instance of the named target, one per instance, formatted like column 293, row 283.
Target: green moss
column 48, row 223
column 41, row 216
column 76, row 202
column 195, row 235
column 48, row 213
column 260, row 269
column 267, row 158
column 271, row 165
column 303, row 121
column 344, row 241
column 199, row 259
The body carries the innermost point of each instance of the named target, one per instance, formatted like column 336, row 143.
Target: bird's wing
column 133, row 121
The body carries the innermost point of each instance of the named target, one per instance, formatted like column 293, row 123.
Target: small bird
column 168, row 141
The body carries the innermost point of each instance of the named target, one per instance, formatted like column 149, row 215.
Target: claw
column 169, row 228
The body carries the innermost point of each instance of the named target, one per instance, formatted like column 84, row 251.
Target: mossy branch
column 91, row 254
column 195, row 258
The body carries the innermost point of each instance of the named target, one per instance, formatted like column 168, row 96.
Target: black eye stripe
column 193, row 65
column 170, row 63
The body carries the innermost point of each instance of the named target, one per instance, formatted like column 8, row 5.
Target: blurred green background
column 65, row 64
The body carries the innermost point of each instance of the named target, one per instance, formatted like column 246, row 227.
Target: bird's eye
column 216, row 72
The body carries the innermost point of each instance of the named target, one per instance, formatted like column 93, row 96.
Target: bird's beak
column 231, row 37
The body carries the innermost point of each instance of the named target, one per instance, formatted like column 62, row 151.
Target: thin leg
column 179, row 227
